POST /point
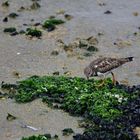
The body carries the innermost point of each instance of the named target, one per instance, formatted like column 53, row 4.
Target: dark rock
column 21, row 9
column 35, row 5
column 55, row 52
column 5, row 4
column 92, row 40
column 68, row 17
column 14, row 33
column 51, row 17
column 108, row 12
column 37, row 24
column 24, row 24
column 22, row 32
column 102, row 4
column 13, row 15
column 56, row 73
column 10, row 117
column 5, row 19
column 51, row 28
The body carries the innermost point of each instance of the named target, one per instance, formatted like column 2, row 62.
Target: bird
column 104, row 65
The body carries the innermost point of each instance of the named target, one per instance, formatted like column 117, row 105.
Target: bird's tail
column 128, row 59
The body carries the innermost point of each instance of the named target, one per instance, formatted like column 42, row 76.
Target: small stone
column 135, row 13
column 13, row 15
column 5, row 19
column 22, row 32
column 92, row 40
column 55, row 52
column 5, row 4
column 37, row 24
column 56, row 73
column 51, row 28
column 68, row 73
column 35, row 5
column 100, row 34
column 60, row 11
column 10, row 117
column 108, row 12
column 18, row 53
column 21, row 9
column 68, row 17
column 51, row 17
column 135, row 33
column 32, row 20
column 14, row 33
column 24, row 24
column 102, row 4
column 16, row 74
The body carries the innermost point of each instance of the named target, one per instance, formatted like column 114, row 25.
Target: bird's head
column 88, row 72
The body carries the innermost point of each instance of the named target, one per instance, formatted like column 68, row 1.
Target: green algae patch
column 51, row 23
column 9, row 30
column 33, row 32
column 41, row 137
column 67, row 131
column 76, row 95
column 112, row 112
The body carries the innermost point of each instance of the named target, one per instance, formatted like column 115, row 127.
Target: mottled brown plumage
column 104, row 65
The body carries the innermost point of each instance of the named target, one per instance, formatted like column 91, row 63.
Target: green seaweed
column 9, row 30
column 76, row 95
column 33, row 32
column 67, row 131
column 52, row 22
column 41, row 137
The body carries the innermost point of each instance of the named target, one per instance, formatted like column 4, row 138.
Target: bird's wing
column 106, row 64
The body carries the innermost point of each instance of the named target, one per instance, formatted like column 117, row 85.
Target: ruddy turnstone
column 105, row 65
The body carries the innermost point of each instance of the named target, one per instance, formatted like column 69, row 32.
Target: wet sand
column 37, row 115
column 33, row 57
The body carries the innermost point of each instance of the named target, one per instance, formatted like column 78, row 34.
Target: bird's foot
column 101, row 84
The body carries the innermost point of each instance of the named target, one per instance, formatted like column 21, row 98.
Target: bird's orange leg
column 113, row 78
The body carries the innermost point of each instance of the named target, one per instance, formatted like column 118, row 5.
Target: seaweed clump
column 113, row 111
column 51, row 23
column 9, row 30
column 41, row 137
column 33, row 32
